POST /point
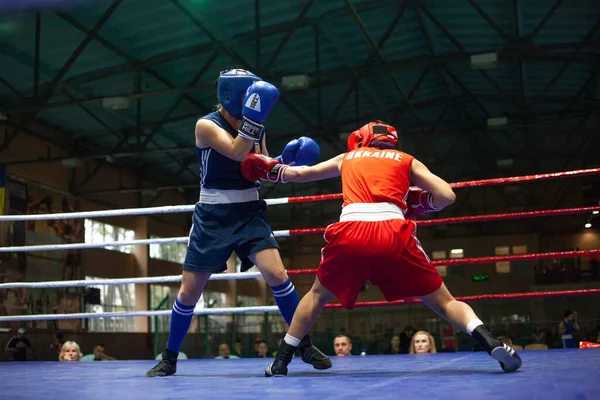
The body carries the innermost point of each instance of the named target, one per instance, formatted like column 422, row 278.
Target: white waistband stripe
column 371, row 212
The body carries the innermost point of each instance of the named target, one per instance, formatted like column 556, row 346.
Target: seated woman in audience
column 394, row 346
column 263, row 350
column 422, row 342
column 70, row 352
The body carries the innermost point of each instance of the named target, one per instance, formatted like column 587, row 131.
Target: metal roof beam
column 49, row 91
column 336, row 75
column 381, row 58
column 357, row 78
column 461, row 48
column 586, row 84
column 36, row 64
column 248, row 36
column 545, row 18
column 12, row 88
column 488, row 19
column 426, row 32
column 564, row 67
column 176, row 103
column 239, row 59
column 102, row 156
column 288, row 34
column 131, row 60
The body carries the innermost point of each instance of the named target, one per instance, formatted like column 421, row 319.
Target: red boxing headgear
column 378, row 131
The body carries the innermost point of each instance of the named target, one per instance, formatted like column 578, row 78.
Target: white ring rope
column 113, row 282
column 100, row 213
column 79, row 246
column 124, row 314
column 117, row 213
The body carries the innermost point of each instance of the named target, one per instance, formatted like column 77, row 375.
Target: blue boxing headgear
column 231, row 86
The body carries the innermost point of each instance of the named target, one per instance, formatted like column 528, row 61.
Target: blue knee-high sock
column 181, row 318
column 287, row 300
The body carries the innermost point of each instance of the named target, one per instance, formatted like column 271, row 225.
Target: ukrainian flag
column 2, row 187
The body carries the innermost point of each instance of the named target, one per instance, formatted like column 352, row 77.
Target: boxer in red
column 376, row 237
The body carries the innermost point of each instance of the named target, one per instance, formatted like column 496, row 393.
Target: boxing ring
column 548, row 374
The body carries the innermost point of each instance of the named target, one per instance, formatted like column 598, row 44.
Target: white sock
column 474, row 323
column 289, row 339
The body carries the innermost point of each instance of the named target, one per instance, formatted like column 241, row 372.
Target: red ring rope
column 499, row 217
column 488, row 260
column 474, row 218
column 526, row 178
column 482, row 182
column 479, row 297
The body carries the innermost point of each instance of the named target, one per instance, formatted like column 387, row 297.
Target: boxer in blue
column 229, row 216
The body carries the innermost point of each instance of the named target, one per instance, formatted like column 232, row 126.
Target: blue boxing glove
column 301, row 151
column 260, row 98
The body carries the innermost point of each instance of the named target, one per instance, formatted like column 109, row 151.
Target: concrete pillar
column 142, row 255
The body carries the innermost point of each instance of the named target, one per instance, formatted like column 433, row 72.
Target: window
column 100, row 232
column 522, row 249
column 503, row 267
column 162, row 298
column 112, row 298
column 502, row 250
column 438, row 255
column 249, row 323
column 238, row 265
column 174, row 252
column 216, row 323
column 457, row 253
column 442, row 269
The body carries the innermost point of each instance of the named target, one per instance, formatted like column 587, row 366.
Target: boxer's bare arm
column 208, row 134
column 325, row 170
column 442, row 192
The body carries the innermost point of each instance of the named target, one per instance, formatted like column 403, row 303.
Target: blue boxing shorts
column 220, row 229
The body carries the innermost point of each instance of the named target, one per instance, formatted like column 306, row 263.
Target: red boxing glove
column 257, row 166
column 419, row 202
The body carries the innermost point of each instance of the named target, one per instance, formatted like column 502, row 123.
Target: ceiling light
column 295, row 82
column 497, row 122
column 484, row 61
column 588, row 225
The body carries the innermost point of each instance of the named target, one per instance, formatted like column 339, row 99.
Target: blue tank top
column 569, row 328
column 216, row 170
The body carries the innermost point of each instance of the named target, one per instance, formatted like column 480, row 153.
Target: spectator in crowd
column 100, row 354
column 405, row 339
column 373, row 344
column 263, row 350
column 238, row 348
column 18, row 346
column 421, row 343
column 538, row 335
column 225, row 352
column 257, row 341
column 566, row 328
column 57, row 343
column 342, row 345
column 394, row 346
column 70, row 351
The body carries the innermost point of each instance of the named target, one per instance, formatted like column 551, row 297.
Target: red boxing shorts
column 385, row 252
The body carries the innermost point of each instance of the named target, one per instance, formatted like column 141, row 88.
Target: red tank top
column 371, row 175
